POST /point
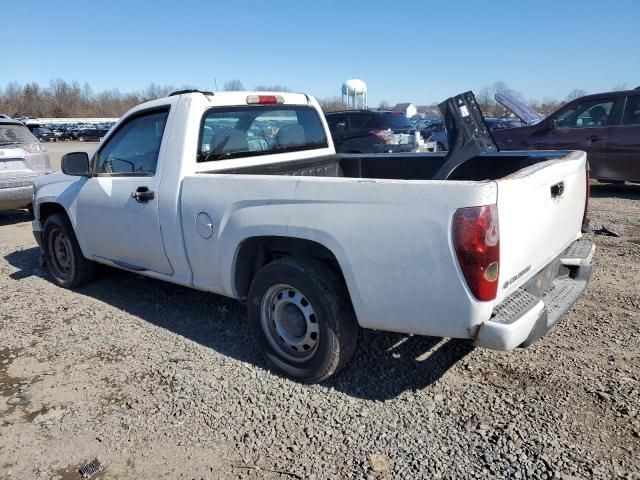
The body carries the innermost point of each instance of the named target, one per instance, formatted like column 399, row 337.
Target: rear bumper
column 532, row 310
column 16, row 197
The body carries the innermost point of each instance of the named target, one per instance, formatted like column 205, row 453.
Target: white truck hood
column 520, row 109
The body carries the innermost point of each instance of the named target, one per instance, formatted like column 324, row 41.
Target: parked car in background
column 605, row 125
column 90, row 134
column 426, row 130
column 371, row 131
column 44, row 134
column 22, row 160
column 71, row 133
column 58, row 132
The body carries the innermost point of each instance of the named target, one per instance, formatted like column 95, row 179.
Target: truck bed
column 399, row 166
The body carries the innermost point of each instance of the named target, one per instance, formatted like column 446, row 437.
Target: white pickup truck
column 242, row 194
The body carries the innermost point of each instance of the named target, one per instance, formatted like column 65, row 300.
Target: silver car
column 22, row 160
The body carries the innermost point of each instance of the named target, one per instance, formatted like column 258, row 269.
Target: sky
column 420, row 52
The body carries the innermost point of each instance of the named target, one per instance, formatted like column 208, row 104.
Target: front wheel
column 64, row 259
column 301, row 318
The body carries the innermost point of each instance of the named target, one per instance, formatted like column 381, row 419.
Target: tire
column 30, row 209
column 440, row 147
column 63, row 256
column 305, row 302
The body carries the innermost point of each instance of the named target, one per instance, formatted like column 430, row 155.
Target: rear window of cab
column 232, row 132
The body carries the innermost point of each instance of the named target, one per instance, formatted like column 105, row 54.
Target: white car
column 242, row 194
column 23, row 159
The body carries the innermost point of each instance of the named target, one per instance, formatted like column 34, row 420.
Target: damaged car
column 605, row 125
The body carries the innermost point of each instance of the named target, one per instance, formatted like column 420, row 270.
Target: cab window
column 591, row 114
column 133, row 149
column 231, row 132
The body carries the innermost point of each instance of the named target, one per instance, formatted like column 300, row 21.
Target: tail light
column 585, row 216
column 385, row 136
column 476, row 239
column 264, row 99
column 33, row 147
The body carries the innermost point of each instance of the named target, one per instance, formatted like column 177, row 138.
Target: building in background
column 409, row 109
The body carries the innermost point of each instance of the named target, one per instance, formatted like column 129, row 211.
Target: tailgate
column 540, row 211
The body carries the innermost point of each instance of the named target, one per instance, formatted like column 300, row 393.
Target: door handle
column 143, row 194
column 594, row 138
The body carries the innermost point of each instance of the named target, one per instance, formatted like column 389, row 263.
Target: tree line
column 63, row 99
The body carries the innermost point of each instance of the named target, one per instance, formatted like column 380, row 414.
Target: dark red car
column 605, row 125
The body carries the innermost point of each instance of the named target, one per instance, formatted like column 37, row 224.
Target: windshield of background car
column 230, row 132
column 391, row 120
column 15, row 134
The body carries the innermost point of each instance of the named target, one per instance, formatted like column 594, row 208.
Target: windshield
column 259, row 130
column 15, row 134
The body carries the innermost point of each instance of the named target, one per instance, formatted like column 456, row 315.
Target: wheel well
column 45, row 210
column 254, row 253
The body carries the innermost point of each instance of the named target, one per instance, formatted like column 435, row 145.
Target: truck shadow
column 11, row 217
column 384, row 365
column 630, row 191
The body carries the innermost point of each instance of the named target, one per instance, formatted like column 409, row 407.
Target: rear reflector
column 476, row 239
column 264, row 99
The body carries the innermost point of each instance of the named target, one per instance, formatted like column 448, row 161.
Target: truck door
column 117, row 209
column 623, row 154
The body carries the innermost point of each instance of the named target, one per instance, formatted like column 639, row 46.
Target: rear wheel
column 301, row 318
column 64, row 259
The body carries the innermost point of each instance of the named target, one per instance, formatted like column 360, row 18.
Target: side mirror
column 76, row 163
column 553, row 123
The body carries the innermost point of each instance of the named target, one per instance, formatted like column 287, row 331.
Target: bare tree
column 485, row 100
column 154, row 91
column 234, row 85
column 333, row 104
column 64, row 99
column 575, row 93
column 619, row 87
column 384, row 105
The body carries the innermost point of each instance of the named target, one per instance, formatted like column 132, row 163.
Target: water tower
column 356, row 92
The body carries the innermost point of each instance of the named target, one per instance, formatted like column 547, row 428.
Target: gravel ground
column 158, row 381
